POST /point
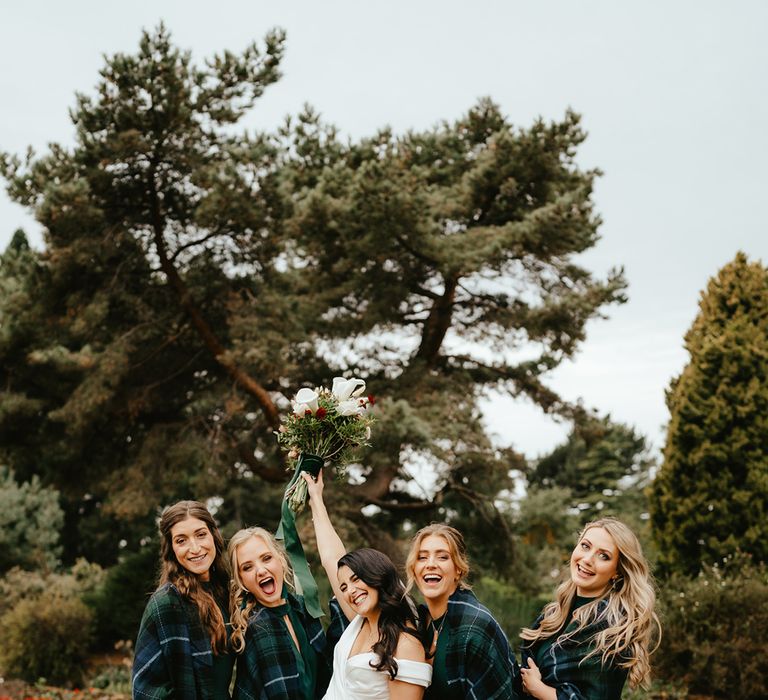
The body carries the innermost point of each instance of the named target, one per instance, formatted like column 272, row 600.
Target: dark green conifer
column 711, row 494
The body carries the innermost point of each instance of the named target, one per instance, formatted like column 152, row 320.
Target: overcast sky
column 673, row 95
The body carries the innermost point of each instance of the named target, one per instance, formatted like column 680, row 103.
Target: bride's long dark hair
column 397, row 610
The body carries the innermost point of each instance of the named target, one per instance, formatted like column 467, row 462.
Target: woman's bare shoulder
column 409, row 647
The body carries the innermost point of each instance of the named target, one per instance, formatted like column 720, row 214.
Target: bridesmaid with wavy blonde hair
column 598, row 630
column 281, row 649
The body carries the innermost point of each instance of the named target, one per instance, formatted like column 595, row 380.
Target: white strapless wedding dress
column 354, row 679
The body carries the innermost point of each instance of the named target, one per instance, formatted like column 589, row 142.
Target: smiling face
column 363, row 599
column 261, row 571
column 193, row 546
column 434, row 571
column 594, row 562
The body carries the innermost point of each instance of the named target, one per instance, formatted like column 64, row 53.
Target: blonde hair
column 629, row 617
column 241, row 601
column 456, row 548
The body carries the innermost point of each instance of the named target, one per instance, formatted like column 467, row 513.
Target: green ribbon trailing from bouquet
column 305, row 582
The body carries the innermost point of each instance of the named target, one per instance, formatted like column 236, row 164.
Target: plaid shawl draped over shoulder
column 267, row 668
column 173, row 651
column 478, row 657
column 563, row 665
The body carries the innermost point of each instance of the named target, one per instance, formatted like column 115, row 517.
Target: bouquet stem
column 296, row 493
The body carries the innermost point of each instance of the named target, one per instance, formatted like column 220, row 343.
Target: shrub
column 30, row 521
column 714, row 630
column 47, row 637
column 18, row 584
column 113, row 678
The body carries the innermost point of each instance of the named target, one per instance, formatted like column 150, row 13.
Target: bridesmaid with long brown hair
column 182, row 646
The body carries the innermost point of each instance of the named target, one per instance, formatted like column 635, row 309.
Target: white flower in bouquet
column 305, row 400
column 344, row 389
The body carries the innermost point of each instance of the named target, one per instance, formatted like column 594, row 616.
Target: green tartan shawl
column 173, row 656
column 267, row 667
column 563, row 665
column 478, row 660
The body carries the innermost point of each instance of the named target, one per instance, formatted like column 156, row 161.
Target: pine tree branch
column 432, row 262
column 409, row 506
column 274, row 475
column 205, row 331
column 191, row 244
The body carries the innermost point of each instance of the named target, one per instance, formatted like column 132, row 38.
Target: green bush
column 82, row 579
column 714, row 630
column 30, row 521
column 47, row 637
column 112, row 679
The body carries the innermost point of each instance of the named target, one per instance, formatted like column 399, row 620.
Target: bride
column 380, row 655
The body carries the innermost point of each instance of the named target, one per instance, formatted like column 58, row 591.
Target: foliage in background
column 80, row 580
column 714, row 630
column 47, row 637
column 193, row 278
column 512, row 609
column 605, row 465
column 30, row 521
column 47, row 629
column 546, row 525
column 118, row 603
column 711, row 494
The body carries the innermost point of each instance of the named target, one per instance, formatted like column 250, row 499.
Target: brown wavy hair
column 397, row 611
column 629, row 619
column 188, row 584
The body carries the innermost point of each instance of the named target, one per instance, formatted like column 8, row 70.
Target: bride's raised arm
column 329, row 544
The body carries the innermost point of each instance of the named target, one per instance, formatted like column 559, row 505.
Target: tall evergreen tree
column 194, row 278
column 711, row 494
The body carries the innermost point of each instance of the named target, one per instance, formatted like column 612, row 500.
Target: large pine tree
column 711, row 495
column 194, row 278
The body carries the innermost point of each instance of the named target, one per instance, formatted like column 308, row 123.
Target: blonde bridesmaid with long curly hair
column 281, row 649
column 598, row 631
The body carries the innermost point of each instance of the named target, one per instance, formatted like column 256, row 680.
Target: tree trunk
column 438, row 323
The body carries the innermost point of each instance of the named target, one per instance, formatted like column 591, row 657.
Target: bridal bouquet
column 325, row 426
